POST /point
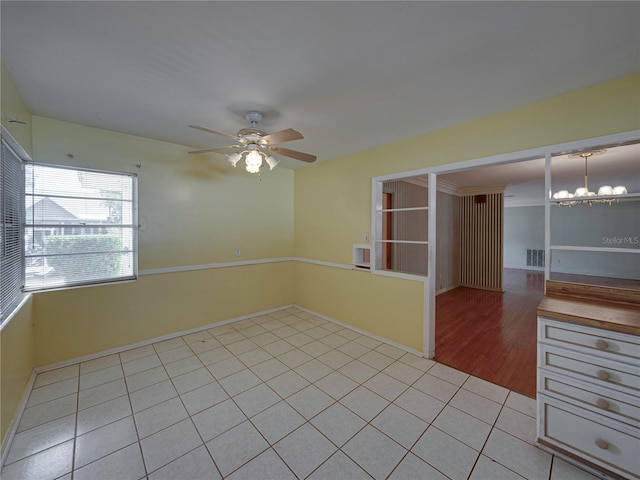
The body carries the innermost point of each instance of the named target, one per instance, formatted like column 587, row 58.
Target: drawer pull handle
column 602, row 444
column 601, row 344
column 602, row 375
column 602, row 403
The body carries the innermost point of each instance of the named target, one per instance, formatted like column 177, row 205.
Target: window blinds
column 11, row 195
column 80, row 227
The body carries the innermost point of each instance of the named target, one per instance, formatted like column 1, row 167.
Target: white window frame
column 133, row 226
column 15, row 303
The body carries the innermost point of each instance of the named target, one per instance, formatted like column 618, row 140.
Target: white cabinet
column 589, row 395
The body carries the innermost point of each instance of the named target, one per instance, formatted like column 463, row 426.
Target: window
column 11, row 254
column 80, row 227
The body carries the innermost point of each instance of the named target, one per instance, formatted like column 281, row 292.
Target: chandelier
column 583, row 195
column 253, row 158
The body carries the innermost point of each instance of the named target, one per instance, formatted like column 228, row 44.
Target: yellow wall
column 17, row 351
column 193, row 210
column 377, row 304
column 333, row 198
column 197, row 210
column 77, row 322
column 12, row 106
column 17, row 340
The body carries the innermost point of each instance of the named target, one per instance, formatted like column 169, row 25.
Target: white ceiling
column 348, row 75
column 619, row 165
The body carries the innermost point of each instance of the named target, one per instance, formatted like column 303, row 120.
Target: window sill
column 13, row 309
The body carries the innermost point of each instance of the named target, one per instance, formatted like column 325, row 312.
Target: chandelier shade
column 582, row 194
column 253, row 159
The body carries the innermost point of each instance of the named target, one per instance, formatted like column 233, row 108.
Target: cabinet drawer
column 602, row 444
column 607, row 402
column 612, row 345
column 600, row 372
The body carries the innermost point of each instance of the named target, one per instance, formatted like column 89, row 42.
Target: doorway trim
column 429, row 320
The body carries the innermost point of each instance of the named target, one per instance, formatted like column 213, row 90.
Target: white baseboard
column 72, row 361
column 150, row 341
column 15, row 421
column 362, row 332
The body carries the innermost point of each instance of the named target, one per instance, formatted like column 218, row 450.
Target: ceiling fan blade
column 283, row 136
column 217, row 149
column 305, row 157
column 208, row 130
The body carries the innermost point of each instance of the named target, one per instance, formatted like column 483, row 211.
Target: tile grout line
column 189, row 417
column 133, row 418
column 313, row 357
column 75, row 427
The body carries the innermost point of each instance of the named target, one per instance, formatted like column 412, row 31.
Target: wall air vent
column 535, row 258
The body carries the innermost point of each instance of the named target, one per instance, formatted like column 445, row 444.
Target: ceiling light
column 583, row 195
column 233, row 158
column 272, row 162
column 253, row 159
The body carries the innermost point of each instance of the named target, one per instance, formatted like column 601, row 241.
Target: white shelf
column 594, row 249
column 361, row 256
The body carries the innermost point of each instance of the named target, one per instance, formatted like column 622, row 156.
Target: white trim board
column 15, row 421
column 510, row 157
column 18, row 416
column 243, row 263
column 143, row 343
column 206, row 266
column 362, row 332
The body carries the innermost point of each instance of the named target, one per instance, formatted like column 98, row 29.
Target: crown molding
column 453, row 189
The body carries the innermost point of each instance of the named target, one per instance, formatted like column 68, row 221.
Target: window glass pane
column 55, row 181
column 60, row 210
column 79, row 227
column 60, row 271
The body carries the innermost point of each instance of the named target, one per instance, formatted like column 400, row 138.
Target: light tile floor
column 279, row 396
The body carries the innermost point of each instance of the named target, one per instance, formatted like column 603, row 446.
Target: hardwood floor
column 492, row 335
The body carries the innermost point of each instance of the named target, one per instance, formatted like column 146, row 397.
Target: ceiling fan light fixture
column 253, row 161
column 272, row 162
column 251, row 140
column 233, row 158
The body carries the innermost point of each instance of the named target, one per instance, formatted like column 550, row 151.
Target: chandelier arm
column 586, row 174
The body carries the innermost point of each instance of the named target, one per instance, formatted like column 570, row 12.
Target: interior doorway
column 493, row 335
column 486, row 314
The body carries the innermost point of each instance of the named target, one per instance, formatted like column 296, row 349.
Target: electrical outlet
column 237, row 252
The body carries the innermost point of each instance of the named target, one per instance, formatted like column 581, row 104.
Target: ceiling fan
column 256, row 146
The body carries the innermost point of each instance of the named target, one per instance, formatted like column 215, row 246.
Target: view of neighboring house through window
column 80, row 227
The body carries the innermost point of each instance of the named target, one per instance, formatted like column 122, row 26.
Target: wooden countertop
column 593, row 306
